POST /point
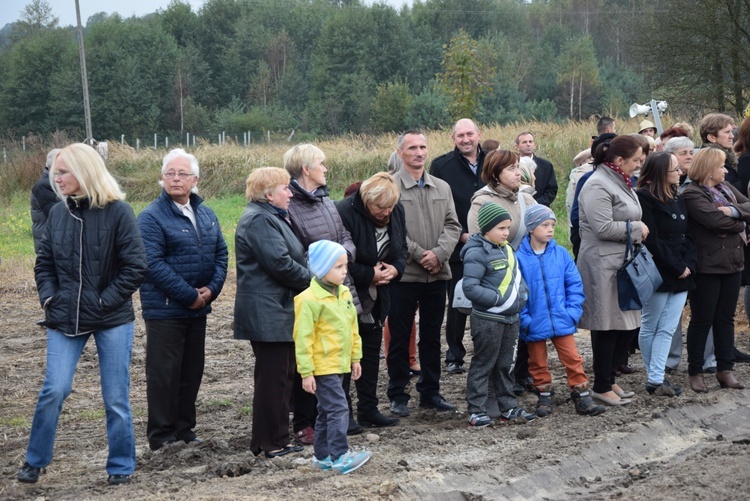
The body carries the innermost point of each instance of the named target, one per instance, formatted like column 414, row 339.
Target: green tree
column 35, row 17
column 390, row 106
column 463, row 79
column 577, row 70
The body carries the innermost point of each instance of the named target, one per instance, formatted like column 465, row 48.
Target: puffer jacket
column 271, row 270
column 326, row 333
column 90, row 263
column 492, row 280
column 314, row 217
column 43, row 198
column 555, row 292
column 180, row 260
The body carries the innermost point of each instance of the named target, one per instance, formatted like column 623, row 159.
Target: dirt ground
column 690, row 447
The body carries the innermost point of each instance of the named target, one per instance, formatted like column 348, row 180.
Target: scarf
column 721, row 195
column 731, row 161
column 615, row 168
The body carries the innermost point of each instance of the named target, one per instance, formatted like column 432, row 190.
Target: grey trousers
column 495, row 347
column 675, row 350
column 333, row 417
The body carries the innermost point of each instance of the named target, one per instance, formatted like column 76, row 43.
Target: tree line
column 341, row 66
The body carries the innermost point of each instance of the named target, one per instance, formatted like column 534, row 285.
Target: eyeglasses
column 180, row 175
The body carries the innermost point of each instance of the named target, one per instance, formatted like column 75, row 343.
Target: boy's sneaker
column 118, row 479
column 324, row 464
column 517, row 415
column 350, row 461
column 29, row 474
column 479, row 420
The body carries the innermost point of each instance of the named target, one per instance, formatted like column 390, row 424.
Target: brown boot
column 727, row 380
column 698, row 384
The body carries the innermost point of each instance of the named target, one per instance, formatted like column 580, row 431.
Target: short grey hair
column 51, row 157
column 677, row 143
column 410, row 132
column 180, row 153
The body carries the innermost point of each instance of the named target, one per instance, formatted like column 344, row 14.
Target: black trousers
column 304, row 406
column 455, row 321
column 367, row 384
column 608, row 348
column 712, row 304
column 275, row 367
column 175, row 352
column 405, row 297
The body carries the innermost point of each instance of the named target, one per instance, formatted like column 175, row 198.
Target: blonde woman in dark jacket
column 717, row 220
column 90, row 262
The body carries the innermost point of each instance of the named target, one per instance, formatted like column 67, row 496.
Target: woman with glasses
column 90, row 262
column 665, row 214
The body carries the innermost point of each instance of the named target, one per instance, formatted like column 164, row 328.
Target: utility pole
column 84, row 79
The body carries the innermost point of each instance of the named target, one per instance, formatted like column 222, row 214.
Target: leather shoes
column 399, row 409
column 727, row 380
column 377, row 420
column 698, row 384
column 741, row 357
column 625, row 369
column 283, row 452
column 354, row 427
column 599, row 397
column 623, row 393
column 436, row 402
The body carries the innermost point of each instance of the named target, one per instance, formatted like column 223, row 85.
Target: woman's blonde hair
column 704, row 163
column 263, row 181
column 302, row 155
column 85, row 164
column 381, row 190
column 527, row 166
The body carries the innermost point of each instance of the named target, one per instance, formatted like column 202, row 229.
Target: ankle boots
column 727, row 380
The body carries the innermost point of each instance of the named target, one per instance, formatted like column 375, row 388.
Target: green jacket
column 326, row 335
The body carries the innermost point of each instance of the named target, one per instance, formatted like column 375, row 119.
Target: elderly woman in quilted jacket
column 314, row 217
column 187, row 266
column 90, row 262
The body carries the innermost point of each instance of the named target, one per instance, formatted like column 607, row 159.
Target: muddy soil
column 690, row 447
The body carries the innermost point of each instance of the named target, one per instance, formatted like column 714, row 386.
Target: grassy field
column 224, row 169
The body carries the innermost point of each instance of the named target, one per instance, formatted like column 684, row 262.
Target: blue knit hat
column 536, row 215
column 322, row 255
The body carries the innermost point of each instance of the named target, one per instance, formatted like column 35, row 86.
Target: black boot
column 544, row 405
column 584, row 403
column 354, row 428
column 376, row 420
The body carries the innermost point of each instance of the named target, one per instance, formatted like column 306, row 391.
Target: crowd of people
column 319, row 281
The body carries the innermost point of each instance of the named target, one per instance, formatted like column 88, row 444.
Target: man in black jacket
column 546, row 183
column 462, row 170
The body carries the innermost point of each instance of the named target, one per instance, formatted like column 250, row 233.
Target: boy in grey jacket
column 493, row 283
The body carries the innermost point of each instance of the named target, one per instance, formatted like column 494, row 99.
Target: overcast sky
column 65, row 10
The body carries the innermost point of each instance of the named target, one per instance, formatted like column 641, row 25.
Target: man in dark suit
column 462, row 170
column 546, row 183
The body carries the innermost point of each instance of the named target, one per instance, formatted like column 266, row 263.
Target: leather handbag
column 637, row 278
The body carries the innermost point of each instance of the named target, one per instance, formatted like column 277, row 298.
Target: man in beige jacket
column 432, row 231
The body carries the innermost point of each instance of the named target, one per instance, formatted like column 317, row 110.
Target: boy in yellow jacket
column 327, row 345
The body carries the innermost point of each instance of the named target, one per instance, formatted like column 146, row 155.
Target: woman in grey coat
column 607, row 201
column 271, row 270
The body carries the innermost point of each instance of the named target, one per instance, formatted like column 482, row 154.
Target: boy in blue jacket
column 552, row 312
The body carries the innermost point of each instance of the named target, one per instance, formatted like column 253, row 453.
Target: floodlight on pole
column 654, row 107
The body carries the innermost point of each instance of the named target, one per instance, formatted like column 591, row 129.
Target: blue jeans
column 114, row 347
column 660, row 317
column 333, row 417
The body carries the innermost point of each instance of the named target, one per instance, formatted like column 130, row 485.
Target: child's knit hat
column 322, row 255
column 536, row 215
column 489, row 215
